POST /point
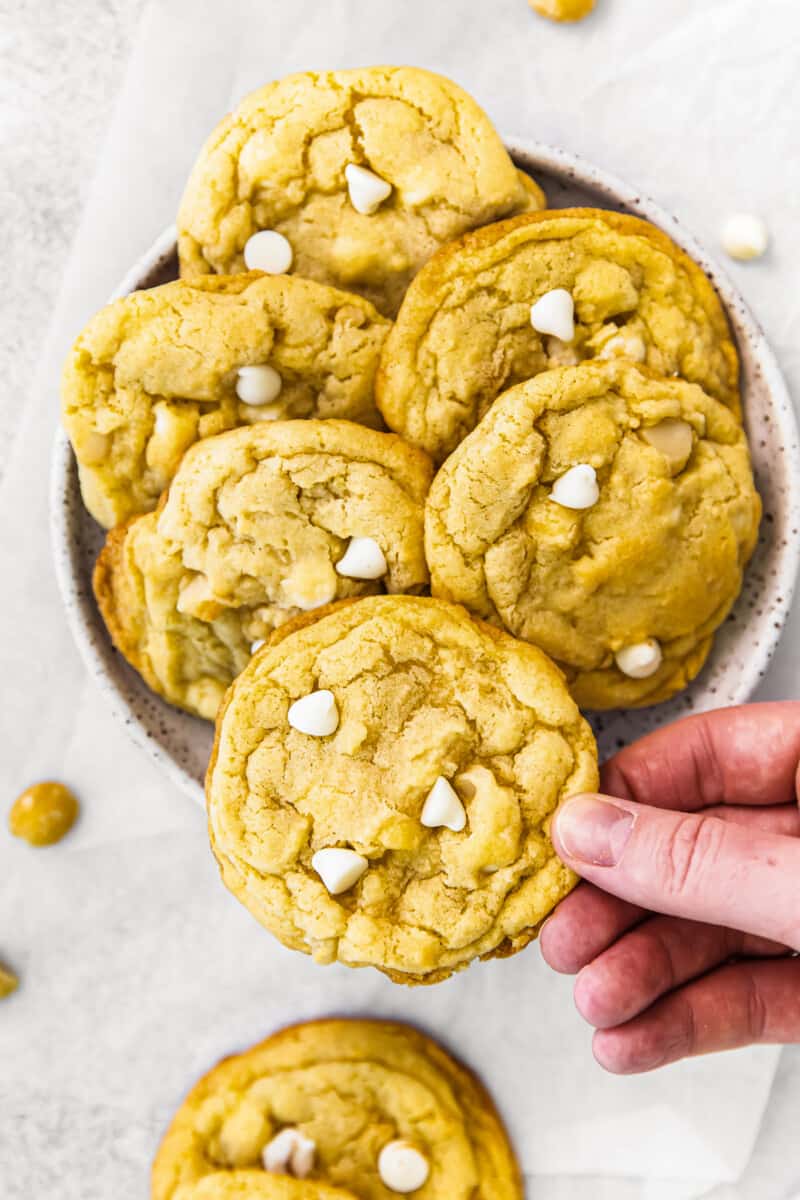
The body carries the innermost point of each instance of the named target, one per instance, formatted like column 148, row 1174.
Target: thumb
column 684, row 864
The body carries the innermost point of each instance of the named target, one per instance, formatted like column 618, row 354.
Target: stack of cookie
column 400, row 474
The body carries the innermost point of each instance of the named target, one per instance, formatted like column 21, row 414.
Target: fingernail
column 593, row 830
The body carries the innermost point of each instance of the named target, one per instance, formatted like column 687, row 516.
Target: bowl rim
column 535, row 156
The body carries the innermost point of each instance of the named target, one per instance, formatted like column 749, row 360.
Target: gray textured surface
column 60, row 67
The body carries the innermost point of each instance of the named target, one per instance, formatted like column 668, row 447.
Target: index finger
column 746, row 755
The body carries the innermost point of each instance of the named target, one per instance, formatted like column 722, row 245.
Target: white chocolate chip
column 289, row 1153
column 744, row 236
column 315, row 714
column 673, row 439
column 363, row 559
column 257, row 644
column 339, row 868
column 258, row 385
column 554, row 312
column 576, row 488
column 268, row 251
column 625, row 344
column 640, row 660
column 402, row 1167
column 443, row 807
column 367, row 190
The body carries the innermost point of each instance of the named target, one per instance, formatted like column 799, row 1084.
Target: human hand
column 701, row 823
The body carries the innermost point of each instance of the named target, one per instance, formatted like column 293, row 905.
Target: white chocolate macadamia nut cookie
column 159, row 370
column 363, row 174
column 413, row 836
column 250, row 534
column 544, row 290
column 605, row 514
column 373, row 1107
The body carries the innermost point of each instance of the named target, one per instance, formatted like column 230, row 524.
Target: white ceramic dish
column 180, row 744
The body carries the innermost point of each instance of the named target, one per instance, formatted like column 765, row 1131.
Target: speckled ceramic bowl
column 180, row 744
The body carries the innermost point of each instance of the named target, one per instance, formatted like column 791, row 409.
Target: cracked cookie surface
column 422, row 692
column 156, row 371
column 278, row 162
column 252, row 1185
column 464, row 332
column 352, row 1087
column 659, row 555
column 248, row 536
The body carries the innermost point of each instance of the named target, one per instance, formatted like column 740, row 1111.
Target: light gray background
column 698, row 104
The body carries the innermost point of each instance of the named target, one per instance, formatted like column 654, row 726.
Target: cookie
column 603, row 285
column 605, row 514
column 359, row 176
column 158, row 370
column 354, row 1094
column 259, row 524
column 382, row 782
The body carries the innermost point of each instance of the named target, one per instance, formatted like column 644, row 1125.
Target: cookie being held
column 544, row 290
column 382, row 783
column 158, row 370
column 353, row 178
column 259, row 524
column 605, row 514
column 371, row 1106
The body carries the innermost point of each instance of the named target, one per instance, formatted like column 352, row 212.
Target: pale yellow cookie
column 161, row 369
column 259, row 524
column 362, row 174
column 351, row 1090
column 382, row 784
column 605, row 286
column 605, row 514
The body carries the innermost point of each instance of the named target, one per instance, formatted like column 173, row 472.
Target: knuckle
column 690, row 850
column 709, row 774
column 756, row 1010
column 664, row 975
column 688, row 1039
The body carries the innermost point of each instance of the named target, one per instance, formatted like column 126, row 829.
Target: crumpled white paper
column 138, row 969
